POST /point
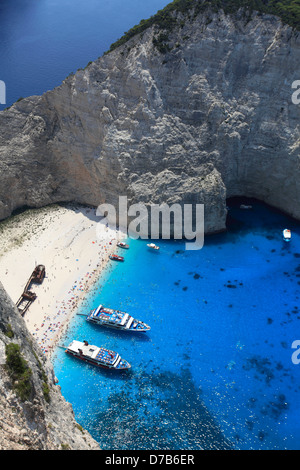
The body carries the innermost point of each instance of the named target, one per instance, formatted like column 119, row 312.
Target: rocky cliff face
column 33, row 413
column 209, row 118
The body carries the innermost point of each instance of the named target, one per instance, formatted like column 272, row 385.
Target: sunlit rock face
column 210, row 118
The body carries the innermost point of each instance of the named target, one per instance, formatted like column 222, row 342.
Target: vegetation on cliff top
column 287, row 10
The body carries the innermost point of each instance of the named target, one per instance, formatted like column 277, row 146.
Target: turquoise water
column 43, row 41
column 215, row 371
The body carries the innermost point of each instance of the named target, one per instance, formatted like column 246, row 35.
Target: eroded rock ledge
column 33, row 413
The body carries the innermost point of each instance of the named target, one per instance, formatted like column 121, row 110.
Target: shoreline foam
column 65, row 240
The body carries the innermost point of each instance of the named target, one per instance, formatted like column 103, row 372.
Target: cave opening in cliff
column 245, row 212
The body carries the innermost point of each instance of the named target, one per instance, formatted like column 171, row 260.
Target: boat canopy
column 96, row 312
column 124, row 319
column 87, row 349
column 129, row 323
column 117, row 361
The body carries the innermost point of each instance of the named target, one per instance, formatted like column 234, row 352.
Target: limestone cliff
column 33, row 413
column 198, row 113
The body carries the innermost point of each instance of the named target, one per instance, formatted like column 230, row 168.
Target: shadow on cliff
column 259, row 217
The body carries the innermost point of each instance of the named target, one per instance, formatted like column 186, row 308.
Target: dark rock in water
column 262, row 366
column 185, row 288
column 278, row 406
column 270, row 321
column 170, row 392
column 249, row 425
column 252, row 402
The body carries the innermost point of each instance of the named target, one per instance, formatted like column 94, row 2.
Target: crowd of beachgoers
column 73, row 246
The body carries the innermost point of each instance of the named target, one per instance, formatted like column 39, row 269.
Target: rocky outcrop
column 33, row 413
column 208, row 118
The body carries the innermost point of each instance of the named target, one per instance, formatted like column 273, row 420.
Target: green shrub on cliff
column 287, row 10
column 19, row 371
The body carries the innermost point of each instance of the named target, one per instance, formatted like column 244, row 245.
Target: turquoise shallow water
column 215, row 371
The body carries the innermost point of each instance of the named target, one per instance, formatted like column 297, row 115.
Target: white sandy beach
column 66, row 241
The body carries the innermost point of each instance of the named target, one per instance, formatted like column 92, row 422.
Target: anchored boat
column 116, row 258
column 96, row 356
column 287, row 235
column 123, row 245
column 153, row 246
column 116, row 319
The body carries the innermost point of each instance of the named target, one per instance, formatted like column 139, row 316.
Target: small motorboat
column 116, row 258
column 153, row 246
column 287, row 235
column 245, row 207
column 96, row 356
column 123, row 245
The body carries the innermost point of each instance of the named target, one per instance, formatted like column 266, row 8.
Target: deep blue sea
column 215, row 371
column 43, row 41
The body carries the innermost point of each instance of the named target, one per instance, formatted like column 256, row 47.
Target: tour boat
column 123, row 245
column 94, row 355
column 287, row 235
column 153, row 246
column 116, row 319
column 116, row 257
